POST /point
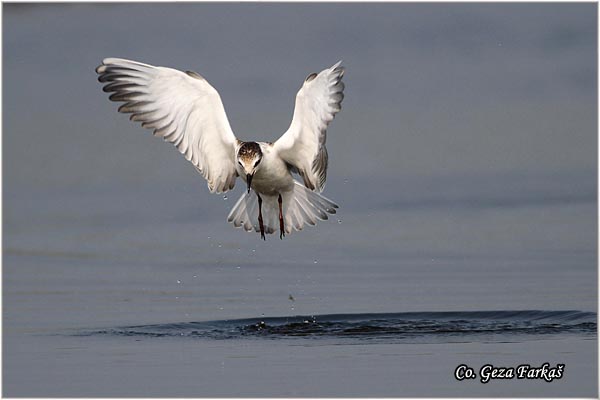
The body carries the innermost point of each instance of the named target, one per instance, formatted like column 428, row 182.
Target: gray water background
column 464, row 162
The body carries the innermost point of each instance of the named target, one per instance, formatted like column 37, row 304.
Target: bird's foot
column 281, row 225
column 262, row 228
column 260, row 219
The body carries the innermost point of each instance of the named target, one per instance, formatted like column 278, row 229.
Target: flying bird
column 185, row 110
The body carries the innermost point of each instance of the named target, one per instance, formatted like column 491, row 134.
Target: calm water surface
column 116, row 305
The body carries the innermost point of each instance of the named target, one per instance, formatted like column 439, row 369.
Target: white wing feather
column 182, row 108
column 303, row 144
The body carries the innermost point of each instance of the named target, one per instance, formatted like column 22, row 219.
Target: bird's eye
column 239, row 162
column 257, row 162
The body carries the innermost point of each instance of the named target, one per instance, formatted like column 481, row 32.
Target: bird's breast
column 273, row 177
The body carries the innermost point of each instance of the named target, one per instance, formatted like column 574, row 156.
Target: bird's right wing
column 182, row 108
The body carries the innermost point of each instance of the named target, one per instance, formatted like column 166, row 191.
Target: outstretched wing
column 303, row 145
column 182, row 108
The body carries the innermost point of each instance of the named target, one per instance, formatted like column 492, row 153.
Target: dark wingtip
column 196, row 75
column 310, row 77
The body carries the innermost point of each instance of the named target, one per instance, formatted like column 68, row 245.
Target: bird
column 185, row 110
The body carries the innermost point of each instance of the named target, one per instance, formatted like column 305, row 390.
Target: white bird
column 185, row 110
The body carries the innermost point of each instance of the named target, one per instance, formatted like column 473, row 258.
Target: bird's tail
column 300, row 206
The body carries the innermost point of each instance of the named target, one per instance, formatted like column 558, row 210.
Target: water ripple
column 403, row 327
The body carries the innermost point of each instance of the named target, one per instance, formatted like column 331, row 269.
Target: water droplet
column 178, row 281
column 315, row 262
column 220, row 245
column 238, row 267
column 195, row 276
column 254, row 250
column 345, row 181
column 339, row 221
column 209, row 237
column 225, row 197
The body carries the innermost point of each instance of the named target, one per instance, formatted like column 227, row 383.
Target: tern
column 185, row 110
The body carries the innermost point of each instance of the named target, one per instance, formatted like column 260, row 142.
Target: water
column 116, row 322
column 416, row 327
column 465, row 173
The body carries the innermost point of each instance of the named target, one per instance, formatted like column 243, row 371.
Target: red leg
column 260, row 219
column 281, row 227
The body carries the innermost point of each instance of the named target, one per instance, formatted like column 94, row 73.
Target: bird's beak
column 249, row 181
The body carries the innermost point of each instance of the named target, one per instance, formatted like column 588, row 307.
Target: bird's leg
column 281, row 227
column 260, row 219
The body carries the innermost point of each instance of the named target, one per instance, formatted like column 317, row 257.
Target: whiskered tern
column 185, row 110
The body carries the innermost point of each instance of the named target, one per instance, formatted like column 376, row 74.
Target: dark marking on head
column 311, row 77
column 248, row 150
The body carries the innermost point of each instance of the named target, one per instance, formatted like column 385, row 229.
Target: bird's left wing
column 182, row 108
column 303, row 144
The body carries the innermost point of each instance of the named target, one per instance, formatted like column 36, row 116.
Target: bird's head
column 249, row 157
